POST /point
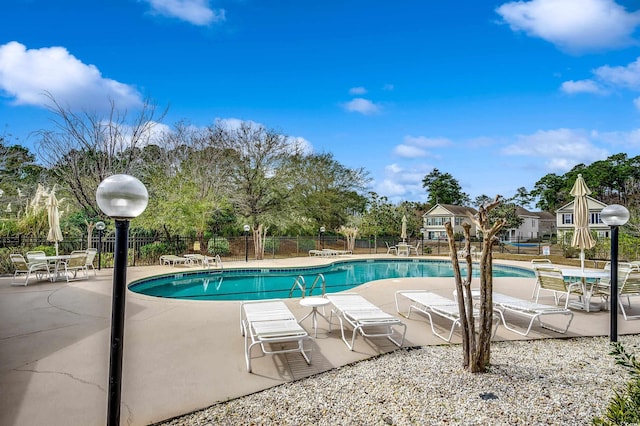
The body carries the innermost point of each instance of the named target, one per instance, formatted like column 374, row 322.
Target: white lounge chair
column 37, row 268
column 268, row 322
column 429, row 304
column 530, row 310
column 365, row 318
column 173, row 260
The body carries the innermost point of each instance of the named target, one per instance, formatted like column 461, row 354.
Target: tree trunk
column 476, row 349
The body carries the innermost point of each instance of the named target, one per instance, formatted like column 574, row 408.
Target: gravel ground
column 536, row 382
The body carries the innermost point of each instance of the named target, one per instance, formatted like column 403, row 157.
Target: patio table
column 587, row 286
column 56, row 260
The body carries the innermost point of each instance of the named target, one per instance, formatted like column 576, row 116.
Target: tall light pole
column 421, row 240
column 322, row 229
column 121, row 197
column 100, row 227
column 615, row 216
column 246, row 242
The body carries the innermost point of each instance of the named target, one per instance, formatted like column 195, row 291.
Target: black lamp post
column 246, row 242
column 121, row 197
column 615, row 216
column 422, row 240
column 100, row 227
column 322, row 237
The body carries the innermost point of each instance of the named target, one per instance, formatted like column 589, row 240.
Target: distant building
column 434, row 220
column 565, row 223
column 529, row 229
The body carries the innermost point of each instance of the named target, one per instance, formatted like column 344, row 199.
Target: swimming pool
column 269, row 283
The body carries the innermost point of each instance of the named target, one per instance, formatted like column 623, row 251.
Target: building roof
column 453, row 209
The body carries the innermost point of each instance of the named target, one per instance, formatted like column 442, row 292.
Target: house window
column 459, row 221
column 567, row 218
column 435, row 221
column 595, row 218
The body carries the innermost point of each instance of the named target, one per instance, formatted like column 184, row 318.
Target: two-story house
column 434, row 220
column 565, row 223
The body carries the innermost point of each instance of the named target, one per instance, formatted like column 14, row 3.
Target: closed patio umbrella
column 582, row 236
column 55, row 233
column 403, row 233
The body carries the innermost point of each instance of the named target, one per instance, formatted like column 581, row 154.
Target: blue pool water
column 257, row 284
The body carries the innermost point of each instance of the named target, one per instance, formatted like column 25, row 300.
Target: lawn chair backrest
column 19, row 262
column 536, row 263
column 551, row 279
column 36, row 256
column 77, row 259
column 631, row 283
column 91, row 254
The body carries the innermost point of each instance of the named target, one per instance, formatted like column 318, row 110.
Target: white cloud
column 300, row 143
column 624, row 139
column 357, row 91
column 27, row 74
column 627, row 77
column 363, row 106
column 636, row 103
column 196, row 12
column 573, row 25
column 409, row 151
column 561, row 149
column 581, row 86
column 425, row 142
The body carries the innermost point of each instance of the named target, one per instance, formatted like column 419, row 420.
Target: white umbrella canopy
column 55, row 233
column 403, row 233
column 582, row 236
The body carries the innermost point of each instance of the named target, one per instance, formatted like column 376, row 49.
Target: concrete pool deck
column 181, row 356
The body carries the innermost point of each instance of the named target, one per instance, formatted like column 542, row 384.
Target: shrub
column 271, row 244
column 624, row 407
column 219, row 246
column 306, row 244
column 154, row 250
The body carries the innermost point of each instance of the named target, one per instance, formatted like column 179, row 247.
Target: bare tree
column 476, row 349
column 85, row 147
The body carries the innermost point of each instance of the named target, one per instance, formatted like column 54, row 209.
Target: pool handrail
column 300, row 283
column 315, row 282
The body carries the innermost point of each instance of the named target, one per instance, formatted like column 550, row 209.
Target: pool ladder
column 299, row 283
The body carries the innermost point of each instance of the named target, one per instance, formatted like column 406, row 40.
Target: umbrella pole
column 582, row 259
column 56, row 248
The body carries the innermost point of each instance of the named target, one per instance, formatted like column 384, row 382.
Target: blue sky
column 497, row 94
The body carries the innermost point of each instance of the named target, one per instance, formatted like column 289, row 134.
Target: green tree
column 444, row 189
column 551, row 192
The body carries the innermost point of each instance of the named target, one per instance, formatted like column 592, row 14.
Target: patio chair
column 630, row 288
column 530, row 310
column 365, row 318
column 430, row 304
column 416, row 248
column 37, row 268
column 271, row 325
column 391, row 249
column 36, row 255
column 91, row 255
column 535, row 263
column 77, row 262
column 551, row 279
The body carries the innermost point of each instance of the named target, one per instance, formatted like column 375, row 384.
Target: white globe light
column 122, row 197
column 614, row 215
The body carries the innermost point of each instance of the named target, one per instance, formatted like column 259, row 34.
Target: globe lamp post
column 615, row 216
column 121, row 197
column 100, row 227
column 246, row 242
column 322, row 229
